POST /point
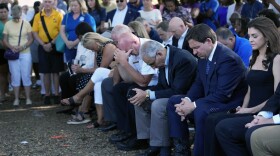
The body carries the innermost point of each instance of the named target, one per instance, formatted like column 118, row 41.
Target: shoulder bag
column 9, row 53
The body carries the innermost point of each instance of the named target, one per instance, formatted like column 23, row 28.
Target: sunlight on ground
column 27, row 109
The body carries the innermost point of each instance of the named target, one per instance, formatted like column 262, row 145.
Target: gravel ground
column 37, row 130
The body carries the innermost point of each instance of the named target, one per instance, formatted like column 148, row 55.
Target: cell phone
column 130, row 93
column 232, row 111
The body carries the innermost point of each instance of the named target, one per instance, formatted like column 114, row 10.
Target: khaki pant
column 265, row 141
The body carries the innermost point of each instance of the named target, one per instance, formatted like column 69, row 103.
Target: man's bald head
column 118, row 30
column 177, row 27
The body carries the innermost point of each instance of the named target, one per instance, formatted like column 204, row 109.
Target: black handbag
column 9, row 53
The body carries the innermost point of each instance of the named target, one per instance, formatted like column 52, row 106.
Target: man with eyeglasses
column 122, row 14
column 177, row 70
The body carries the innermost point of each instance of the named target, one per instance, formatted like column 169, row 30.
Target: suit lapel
column 127, row 17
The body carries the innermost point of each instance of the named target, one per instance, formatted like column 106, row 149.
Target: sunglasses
column 117, row 1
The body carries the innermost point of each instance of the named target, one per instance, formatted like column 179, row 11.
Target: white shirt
column 210, row 57
column 89, row 54
column 268, row 115
column 119, row 16
column 181, row 39
column 169, row 41
column 139, row 65
column 151, row 16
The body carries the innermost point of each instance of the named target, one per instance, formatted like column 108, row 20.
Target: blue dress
column 70, row 26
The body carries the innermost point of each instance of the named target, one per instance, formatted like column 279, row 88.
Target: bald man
column 142, row 75
column 180, row 30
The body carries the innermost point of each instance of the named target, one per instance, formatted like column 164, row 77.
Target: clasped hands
column 121, row 56
column 17, row 49
column 184, row 108
column 259, row 120
column 139, row 98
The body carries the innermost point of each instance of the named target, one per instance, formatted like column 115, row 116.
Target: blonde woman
column 104, row 48
column 78, row 13
column 138, row 29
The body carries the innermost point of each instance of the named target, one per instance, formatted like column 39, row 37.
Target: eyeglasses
column 117, row 1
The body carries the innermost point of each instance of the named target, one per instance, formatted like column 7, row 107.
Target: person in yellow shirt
column 50, row 61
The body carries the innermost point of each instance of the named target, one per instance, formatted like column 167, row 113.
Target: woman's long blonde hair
column 91, row 37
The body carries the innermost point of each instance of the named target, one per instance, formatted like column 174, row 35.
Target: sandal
column 93, row 125
column 78, row 119
column 71, row 102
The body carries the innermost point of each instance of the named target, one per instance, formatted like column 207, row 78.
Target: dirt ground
column 36, row 130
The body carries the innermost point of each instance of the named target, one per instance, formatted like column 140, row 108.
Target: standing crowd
column 151, row 71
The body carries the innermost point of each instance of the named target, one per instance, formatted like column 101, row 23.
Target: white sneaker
column 28, row 102
column 77, row 121
column 16, row 102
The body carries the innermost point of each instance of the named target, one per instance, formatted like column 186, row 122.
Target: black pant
column 211, row 144
column 108, row 100
column 67, row 85
column 125, row 110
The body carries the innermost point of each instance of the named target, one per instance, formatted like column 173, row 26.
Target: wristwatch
column 148, row 94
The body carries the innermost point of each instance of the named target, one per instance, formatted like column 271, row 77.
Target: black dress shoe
column 118, row 137
column 108, row 127
column 150, row 152
column 132, row 144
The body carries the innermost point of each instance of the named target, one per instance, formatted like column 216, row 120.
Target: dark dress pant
column 124, row 110
column 109, row 105
column 231, row 135
column 211, row 144
column 179, row 129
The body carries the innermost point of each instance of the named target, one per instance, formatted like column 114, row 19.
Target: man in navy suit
column 122, row 14
column 177, row 70
column 219, row 86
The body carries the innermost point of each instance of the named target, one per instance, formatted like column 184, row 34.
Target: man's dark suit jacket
column 181, row 73
column 225, row 83
column 131, row 15
column 184, row 46
column 273, row 104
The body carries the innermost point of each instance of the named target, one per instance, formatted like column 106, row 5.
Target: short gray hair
column 16, row 11
column 118, row 30
column 150, row 48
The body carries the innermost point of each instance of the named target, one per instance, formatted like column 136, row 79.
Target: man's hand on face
column 121, row 56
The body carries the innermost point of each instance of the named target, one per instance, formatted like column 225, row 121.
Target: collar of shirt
column 181, row 39
column 167, row 56
column 184, row 34
column 168, row 41
column 213, row 51
column 122, row 11
column 44, row 13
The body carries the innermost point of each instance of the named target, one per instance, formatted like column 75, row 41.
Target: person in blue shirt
column 98, row 13
column 135, row 4
column 70, row 21
column 239, row 45
column 251, row 9
column 209, row 13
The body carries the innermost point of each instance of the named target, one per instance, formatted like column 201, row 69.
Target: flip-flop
column 71, row 102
